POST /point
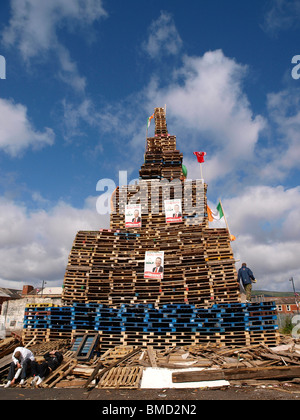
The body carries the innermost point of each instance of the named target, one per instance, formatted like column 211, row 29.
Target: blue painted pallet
column 232, row 305
column 263, row 327
column 60, row 317
column 178, row 314
column 237, row 312
column 110, row 319
column 148, row 329
column 61, row 327
column 108, row 324
column 60, row 309
column 203, row 320
column 177, row 305
column 82, row 324
column 139, row 308
column 130, row 315
column 108, row 329
column 107, row 311
column 87, row 305
column 36, row 325
column 29, row 327
column 261, row 318
column 36, row 320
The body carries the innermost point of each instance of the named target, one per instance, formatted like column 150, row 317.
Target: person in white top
column 21, row 360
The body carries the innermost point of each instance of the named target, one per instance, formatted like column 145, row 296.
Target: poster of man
column 154, row 265
column 173, row 211
column 133, row 218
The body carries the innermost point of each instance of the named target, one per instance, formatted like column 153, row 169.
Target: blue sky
column 82, row 77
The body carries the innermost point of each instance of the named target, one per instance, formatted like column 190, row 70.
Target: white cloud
column 34, row 29
column 163, row 37
column 16, row 131
column 207, row 105
column 265, row 222
column 282, row 15
column 34, row 245
column 283, row 155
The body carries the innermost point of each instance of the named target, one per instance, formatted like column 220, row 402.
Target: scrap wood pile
column 123, row 366
column 7, row 346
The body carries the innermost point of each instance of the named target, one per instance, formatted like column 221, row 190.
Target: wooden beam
column 281, row 372
column 151, row 356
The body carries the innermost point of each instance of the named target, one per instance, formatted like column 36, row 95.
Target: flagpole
column 201, row 171
column 225, row 217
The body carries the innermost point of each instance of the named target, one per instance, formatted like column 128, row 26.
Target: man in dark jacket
column 247, row 277
column 52, row 360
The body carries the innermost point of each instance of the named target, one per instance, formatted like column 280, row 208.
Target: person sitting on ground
column 40, row 370
column 21, row 361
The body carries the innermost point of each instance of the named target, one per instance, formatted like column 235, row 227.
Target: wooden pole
column 224, row 217
column 146, row 135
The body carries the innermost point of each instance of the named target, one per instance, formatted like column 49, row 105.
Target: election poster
column 133, row 216
column 154, row 265
column 173, row 211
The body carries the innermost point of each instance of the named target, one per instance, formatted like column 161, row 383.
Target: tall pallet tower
column 107, row 266
column 114, row 286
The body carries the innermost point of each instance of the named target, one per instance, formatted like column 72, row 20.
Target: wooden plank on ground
column 281, row 372
column 151, row 356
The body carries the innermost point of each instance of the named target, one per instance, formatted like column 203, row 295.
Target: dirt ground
column 153, row 395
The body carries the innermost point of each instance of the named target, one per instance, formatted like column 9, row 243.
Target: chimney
column 27, row 289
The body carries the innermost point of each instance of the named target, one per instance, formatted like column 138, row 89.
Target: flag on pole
column 215, row 215
column 149, row 121
column 200, row 156
column 218, row 214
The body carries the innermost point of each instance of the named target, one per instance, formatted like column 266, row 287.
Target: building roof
column 50, row 291
column 10, row 293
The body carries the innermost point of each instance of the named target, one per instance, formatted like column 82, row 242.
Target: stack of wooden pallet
column 170, row 324
column 106, row 267
column 44, row 322
column 162, row 160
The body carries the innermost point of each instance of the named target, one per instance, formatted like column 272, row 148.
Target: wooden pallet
column 61, row 372
column 128, row 377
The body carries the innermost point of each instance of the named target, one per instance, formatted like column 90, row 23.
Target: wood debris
column 123, row 366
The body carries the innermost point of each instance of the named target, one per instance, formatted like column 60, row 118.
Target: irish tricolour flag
column 215, row 214
column 149, row 121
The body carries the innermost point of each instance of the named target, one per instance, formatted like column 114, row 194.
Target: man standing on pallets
column 247, row 277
